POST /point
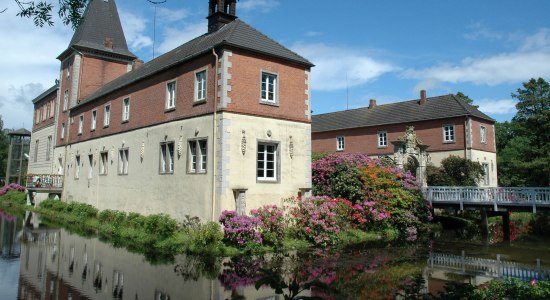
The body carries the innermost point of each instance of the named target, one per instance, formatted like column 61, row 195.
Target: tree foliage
column 523, row 145
column 70, row 11
column 466, row 99
column 455, row 171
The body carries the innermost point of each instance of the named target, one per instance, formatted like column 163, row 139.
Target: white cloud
column 167, row 15
column 532, row 59
column 336, row 68
column 134, row 29
column 479, row 31
column 174, row 37
column 497, row 107
column 258, row 5
column 29, row 64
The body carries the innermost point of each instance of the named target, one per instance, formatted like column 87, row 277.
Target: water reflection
column 56, row 264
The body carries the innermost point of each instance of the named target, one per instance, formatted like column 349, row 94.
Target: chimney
column 422, row 97
column 221, row 12
column 372, row 103
column 137, row 63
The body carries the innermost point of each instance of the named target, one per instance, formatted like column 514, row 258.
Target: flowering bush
column 273, row 221
column 240, row 230
column 11, row 187
column 315, row 219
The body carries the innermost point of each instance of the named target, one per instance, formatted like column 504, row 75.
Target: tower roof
column 100, row 31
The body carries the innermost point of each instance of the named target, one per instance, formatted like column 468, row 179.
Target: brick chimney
column 372, row 103
column 137, row 63
column 422, row 97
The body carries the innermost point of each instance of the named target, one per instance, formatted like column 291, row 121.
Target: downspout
column 214, row 131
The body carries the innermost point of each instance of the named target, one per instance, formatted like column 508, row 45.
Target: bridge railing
column 47, row 181
column 489, row 267
column 522, row 196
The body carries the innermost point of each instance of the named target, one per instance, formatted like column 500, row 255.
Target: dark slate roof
column 45, row 93
column 21, row 131
column 439, row 107
column 236, row 34
column 100, row 20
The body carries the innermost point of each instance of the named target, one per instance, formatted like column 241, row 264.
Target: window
column 52, row 108
column 123, row 162
column 77, row 167
column 382, row 139
column 483, row 134
column 269, row 88
column 167, row 158
column 448, row 133
column 486, row 178
column 200, row 86
column 36, row 150
column 107, row 116
column 267, row 162
column 65, row 100
column 125, row 109
column 90, row 166
column 340, row 143
column 170, row 95
column 62, row 130
column 37, row 117
column 80, row 124
column 44, row 113
column 68, row 69
column 103, row 163
column 49, row 148
column 197, row 156
column 94, row 120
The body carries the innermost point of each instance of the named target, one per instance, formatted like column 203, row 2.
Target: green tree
column 466, row 99
column 4, row 147
column 70, row 11
column 523, row 145
column 455, row 171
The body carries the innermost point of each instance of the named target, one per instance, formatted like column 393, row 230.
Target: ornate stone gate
column 410, row 153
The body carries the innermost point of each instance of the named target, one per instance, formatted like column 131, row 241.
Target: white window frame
column 44, row 113
column 77, row 167
column 198, row 156
column 269, row 88
column 200, row 85
column 262, row 161
column 449, row 133
column 69, row 69
column 340, row 143
column 37, row 116
column 107, row 115
column 382, row 139
column 36, row 146
column 171, row 94
column 91, row 166
column 166, row 163
column 80, row 124
column 483, row 134
column 62, row 130
column 65, row 100
column 123, row 161
column 126, row 109
column 94, row 120
column 103, row 162
column 486, row 178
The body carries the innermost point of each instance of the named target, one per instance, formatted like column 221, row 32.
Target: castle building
column 417, row 133
column 221, row 122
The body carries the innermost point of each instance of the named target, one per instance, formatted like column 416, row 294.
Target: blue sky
column 385, row 50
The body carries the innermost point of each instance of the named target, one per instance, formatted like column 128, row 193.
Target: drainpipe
column 214, row 131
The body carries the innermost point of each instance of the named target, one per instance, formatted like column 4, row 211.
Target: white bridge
column 526, row 198
column 495, row 268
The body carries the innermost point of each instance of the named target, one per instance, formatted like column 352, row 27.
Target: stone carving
column 180, row 146
column 409, row 148
column 291, row 147
column 142, row 150
column 243, row 143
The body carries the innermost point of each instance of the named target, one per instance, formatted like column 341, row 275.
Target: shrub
column 55, row 205
column 273, row 221
column 113, row 217
column 11, row 187
column 81, row 210
column 161, row 225
column 315, row 219
column 14, row 196
column 240, row 230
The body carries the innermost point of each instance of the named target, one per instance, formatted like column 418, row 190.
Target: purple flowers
column 241, row 230
column 315, row 219
column 11, row 187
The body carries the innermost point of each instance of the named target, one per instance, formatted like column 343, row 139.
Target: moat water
column 38, row 262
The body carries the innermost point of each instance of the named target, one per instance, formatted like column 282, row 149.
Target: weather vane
column 155, row 22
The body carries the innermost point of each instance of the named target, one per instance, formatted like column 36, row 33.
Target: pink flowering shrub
column 273, row 219
column 240, row 230
column 315, row 219
column 11, row 187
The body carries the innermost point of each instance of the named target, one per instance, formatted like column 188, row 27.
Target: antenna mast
column 155, row 22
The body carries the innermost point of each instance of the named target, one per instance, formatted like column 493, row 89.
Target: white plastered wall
column 489, row 158
column 143, row 190
column 43, row 165
column 437, row 157
column 238, row 170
